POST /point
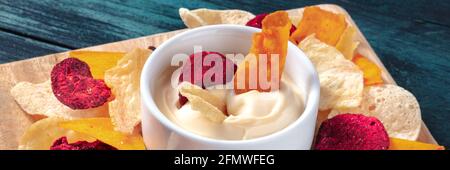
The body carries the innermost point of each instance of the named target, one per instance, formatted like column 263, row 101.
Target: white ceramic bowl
column 161, row 133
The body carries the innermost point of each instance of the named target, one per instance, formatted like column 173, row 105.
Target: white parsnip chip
column 340, row 88
column 203, row 16
column 341, row 81
column 203, row 101
column 124, row 80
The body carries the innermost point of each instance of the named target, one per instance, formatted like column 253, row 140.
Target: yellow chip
column 38, row 99
column 401, row 144
column 98, row 61
column 204, row 102
column 394, row 106
column 103, row 130
column 124, row 80
column 41, row 135
column 372, row 73
column 341, row 81
column 202, row 17
column 346, row 44
column 327, row 25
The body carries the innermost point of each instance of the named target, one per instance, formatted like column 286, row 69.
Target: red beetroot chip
column 352, row 132
column 200, row 66
column 74, row 86
column 62, row 144
column 257, row 22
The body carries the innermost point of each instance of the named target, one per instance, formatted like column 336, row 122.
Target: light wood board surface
column 14, row 121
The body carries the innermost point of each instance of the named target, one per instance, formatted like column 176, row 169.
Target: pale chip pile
column 341, row 81
column 38, row 99
column 201, row 17
column 124, row 81
column 41, row 135
column 204, row 102
column 394, row 106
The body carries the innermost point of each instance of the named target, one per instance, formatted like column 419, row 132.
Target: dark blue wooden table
column 412, row 37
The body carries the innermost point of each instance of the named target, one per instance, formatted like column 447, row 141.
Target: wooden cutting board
column 14, row 121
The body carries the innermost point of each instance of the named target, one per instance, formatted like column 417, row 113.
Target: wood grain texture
column 38, row 69
column 16, row 46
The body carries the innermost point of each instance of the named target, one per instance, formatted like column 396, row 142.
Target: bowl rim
column 148, row 101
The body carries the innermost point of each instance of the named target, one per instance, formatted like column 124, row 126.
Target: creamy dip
column 251, row 115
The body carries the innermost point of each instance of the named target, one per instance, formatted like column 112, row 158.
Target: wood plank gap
column 36, row 38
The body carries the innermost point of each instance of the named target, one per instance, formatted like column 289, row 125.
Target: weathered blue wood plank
column 77, row 24
column 15, row 47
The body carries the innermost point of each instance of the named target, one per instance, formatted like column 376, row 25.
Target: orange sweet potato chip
column 272, row 40
column 372, row 73
column 402, row 144
column 98, row 61
column 103, row 130
column 327, row 26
